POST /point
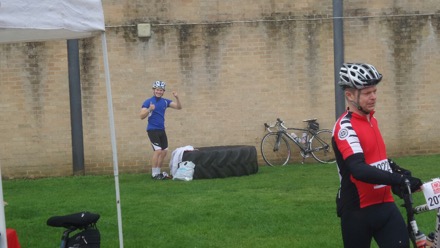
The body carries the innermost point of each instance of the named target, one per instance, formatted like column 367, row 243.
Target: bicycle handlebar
column 268, row 127
column 409, row 201
column 279, row 124
column 408, row 187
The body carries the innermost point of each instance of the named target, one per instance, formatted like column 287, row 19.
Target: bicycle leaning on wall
column 275, row 146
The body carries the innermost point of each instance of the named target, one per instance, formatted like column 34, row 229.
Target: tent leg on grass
column 113, row 136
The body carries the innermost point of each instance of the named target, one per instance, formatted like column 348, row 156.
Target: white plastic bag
column 176, row 158
column 185, row 171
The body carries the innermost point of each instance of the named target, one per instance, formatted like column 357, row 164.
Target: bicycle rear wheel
column 275, row 149
column 321, row 146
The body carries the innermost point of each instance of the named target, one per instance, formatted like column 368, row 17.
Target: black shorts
column 382, row 222
column 158, row 138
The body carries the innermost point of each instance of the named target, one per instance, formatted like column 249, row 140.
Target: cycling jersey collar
column 354, row 114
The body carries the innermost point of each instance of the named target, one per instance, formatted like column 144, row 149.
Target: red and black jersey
column 364, row 171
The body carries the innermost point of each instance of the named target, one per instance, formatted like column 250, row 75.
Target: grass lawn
column 290, row 206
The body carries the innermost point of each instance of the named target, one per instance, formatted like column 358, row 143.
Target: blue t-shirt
column 156, row 121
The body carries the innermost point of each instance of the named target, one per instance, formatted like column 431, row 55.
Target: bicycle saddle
column 310, row 120
column 76, row 220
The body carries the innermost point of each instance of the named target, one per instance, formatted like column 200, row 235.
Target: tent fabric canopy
column 26, row 20
column 32, row 21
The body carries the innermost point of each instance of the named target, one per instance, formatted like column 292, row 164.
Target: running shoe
column 166, row 176
column 158, row 177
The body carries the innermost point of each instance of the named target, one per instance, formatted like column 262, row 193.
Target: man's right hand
column 415, row 184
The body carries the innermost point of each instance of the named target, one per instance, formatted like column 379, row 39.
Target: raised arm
column 176, row 104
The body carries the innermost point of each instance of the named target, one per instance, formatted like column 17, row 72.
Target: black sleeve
column 369, row 174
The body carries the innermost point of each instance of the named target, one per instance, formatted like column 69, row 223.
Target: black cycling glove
column 415, row 183
column 399, row 190
column 402, row 188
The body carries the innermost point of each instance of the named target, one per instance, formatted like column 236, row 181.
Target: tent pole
column 3, row 238
column 113, row 135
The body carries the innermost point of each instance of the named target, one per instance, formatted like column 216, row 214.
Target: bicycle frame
column 305, row 147
column 310, row 143
column 435, row 235
column 418, row 238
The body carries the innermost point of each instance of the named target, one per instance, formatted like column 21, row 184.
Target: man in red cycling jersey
column 364, row 202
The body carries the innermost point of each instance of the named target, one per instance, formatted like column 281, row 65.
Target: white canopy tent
column 30, row 21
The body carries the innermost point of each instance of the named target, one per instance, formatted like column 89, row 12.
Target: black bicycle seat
column 76, row 220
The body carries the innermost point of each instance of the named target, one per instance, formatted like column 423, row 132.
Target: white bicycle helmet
column 159, row 85
column 358, row 75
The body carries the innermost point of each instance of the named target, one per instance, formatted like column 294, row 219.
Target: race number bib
column 382, row 165
column 431, row 190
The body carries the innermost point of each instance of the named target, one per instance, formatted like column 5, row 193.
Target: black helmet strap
column 357, row 103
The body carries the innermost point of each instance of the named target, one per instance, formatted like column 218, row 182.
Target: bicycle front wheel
column 275, row 149
column 321, row 146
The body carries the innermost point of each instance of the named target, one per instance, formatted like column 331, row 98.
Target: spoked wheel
column 321, row 146
column 275, row 149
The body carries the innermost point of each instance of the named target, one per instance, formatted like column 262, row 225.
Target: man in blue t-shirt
column 154, row 108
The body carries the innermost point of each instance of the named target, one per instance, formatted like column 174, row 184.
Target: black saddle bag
column 87, row 238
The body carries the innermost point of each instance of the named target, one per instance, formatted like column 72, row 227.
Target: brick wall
column 235, row 65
